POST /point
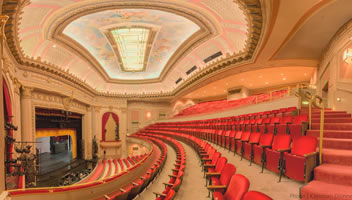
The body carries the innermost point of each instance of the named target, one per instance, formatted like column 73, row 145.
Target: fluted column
column 3, row 19
column 97, row 126
column 26, row 115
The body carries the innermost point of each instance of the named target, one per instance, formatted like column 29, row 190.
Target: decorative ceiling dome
column 113, row 47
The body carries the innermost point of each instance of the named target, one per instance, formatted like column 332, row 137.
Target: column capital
column 123, row 110
column 97, row 109
column 27, row 92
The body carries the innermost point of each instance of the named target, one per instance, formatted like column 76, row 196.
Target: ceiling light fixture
column 54, row 46
column 266, row 83
column 347, row 56
column 284, row 79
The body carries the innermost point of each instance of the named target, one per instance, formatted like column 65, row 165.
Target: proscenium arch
column 209, row 27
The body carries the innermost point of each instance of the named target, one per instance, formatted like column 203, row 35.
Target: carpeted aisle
column 157, row 185
column 333, row 179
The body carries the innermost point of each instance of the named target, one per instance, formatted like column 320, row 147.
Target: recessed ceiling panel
column 174, row 30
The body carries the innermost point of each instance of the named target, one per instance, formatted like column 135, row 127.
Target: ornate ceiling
column 83, row 41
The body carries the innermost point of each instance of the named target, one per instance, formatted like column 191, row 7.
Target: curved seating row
column 111, row 167
column 273, row 140
column 172, row 186
column 132, row 189
column 220, row 176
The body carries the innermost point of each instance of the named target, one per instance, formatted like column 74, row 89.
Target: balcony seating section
column 132, row 189
column 264, row 138
column 111, row 167
column 176, row 177
column 211, row 106
column 219, row 174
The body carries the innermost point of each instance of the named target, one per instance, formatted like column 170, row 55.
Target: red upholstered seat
column 302, row 159
column 281, row 142
column 262, row 127
column 299, row 125
column 266, row 139
column 237, row 188
column 248, row 146
column 238, row 136
column 170, row 195
column 282, row 128
column 254, row 195
column 219, row 165
column 244, row 138
column 271, row 128
column 231, row 140
column 225, row 176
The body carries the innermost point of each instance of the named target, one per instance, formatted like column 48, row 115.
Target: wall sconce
column 347, row 56
column 305, row 102
column 149, row 114
column 338, row 99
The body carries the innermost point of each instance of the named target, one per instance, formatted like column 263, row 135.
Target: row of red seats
column 266, row 144
column 220, row 175
column 176, row 177
column 107, row 165
column 131, row 190
column 224, row 104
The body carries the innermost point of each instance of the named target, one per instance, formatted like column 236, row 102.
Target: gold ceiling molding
column 252, row 8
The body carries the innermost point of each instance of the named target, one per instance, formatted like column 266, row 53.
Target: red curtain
column 105, row 119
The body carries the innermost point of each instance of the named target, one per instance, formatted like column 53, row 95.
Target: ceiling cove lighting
column 131, row 45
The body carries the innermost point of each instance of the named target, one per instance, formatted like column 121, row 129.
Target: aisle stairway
column 332, row 179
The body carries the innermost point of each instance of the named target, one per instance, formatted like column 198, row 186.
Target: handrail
column 320, row 105
column 308, row 95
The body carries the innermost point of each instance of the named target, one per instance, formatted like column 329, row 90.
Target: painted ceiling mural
column 171, row 31
column 174, row 30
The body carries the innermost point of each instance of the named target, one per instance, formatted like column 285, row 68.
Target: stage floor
column 50, row 162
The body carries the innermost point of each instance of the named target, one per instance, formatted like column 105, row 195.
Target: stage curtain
column 48, row 132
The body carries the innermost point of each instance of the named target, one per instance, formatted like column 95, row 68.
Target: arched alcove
column 110, row 127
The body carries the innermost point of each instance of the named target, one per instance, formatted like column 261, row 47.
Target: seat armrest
column 283, row 150
column 173, row 176
column 209, row 165
column 245, row 140
column 159, row 194
column 168, row 184
column 215, row 187
column 265, row 146
column 253, row 142
column 122, row 190
column 133, row 183
column 310, row 154
column 206, row 159
column 212, row 174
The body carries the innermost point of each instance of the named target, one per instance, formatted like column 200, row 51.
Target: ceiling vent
column 212, row 57
column 191, row 70
column 178, row 80
column 234, row 91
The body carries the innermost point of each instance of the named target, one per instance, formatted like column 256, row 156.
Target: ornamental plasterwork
column 340, row 38
column 253, row 7
column 47, row 100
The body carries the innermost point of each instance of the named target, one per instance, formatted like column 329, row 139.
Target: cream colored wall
column 329, row 71
column 142, row 107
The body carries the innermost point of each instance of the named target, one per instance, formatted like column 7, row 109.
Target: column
column 3, row 19
column 97, row 126
column 88, row 133
column 26, row 115
column 123, row 131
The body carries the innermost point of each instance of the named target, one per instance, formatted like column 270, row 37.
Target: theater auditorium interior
column 176, row 99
